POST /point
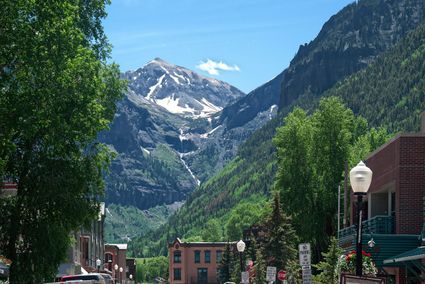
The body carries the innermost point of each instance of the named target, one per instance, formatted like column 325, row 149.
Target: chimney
column 423, row 122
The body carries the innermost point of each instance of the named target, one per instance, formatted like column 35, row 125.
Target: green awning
column 414, row 254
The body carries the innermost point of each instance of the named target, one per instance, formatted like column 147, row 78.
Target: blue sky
column 243, row 42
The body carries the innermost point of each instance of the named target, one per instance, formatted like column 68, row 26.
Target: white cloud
column 213, row 67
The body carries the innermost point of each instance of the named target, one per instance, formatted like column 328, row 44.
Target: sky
column 243, row 42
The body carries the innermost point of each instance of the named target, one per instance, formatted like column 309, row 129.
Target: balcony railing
column 380, row 224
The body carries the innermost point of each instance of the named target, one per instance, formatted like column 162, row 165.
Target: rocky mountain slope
column 164, row 117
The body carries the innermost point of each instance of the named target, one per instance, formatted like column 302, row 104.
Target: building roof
column 199, row 244
column 119, row 246
column 395, row 138
column 414, row 254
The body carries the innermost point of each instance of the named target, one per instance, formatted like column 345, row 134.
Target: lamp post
column 241, row 247
column 121, row 274
column 116, row 271
column 98, row 263
column 360, row 179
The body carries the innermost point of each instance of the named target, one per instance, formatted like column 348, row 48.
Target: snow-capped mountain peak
column 180, row 90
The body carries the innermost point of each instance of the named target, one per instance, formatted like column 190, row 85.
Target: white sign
column 305, row 254
column 271, row 273
column 306, row 274
column 306, row 270
column 245, row 277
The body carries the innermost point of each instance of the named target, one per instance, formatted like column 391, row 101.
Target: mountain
column 348, row 42
column 164, row 116
column 179, row 90
column 356, row 37
column 344, row 45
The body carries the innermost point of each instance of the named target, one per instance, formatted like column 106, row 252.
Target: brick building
column 194, row 262
column 394, row 209
column 115, row 254
column 88, row 246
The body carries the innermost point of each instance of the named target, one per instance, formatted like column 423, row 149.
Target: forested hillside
column 389, row 92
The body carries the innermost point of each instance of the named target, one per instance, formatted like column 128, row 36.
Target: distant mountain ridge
column 343, row 46
column 180, row 90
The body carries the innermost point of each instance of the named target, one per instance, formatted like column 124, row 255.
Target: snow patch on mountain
column 153, row 88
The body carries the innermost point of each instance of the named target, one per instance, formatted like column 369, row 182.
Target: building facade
column 393, row 210
column 115, row 261
column 88, row 246
column 194, row 262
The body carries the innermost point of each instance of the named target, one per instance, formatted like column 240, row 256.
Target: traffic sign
column 281, row 275
column 305, row 254
column 271, row 273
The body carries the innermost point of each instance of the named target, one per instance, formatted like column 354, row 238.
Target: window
column 177, row 274
column 177, row 256
column 207, row 256
column 197, row 256
column 219, row 255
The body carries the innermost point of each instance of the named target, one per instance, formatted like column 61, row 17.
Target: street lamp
column 131, row 278
column 241, row 247
column 121, row 274
column 360, row 179
column 98, row 263
column 116, row 271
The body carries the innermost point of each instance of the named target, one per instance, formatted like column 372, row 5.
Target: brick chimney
column 423, row 122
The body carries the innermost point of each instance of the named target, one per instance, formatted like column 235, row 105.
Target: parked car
column 108, row 278
column 92, row 278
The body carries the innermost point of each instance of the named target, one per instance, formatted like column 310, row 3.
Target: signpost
column 281, row 275
column 305, row 261
column 271, row 274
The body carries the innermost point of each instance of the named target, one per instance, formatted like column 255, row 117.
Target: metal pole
column 359, row 256
column 344, row 220
column 240, row 258
column 339, row 212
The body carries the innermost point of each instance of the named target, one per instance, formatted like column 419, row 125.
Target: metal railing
column 380, row 224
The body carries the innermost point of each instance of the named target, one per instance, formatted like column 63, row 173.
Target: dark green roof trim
column 386, row 246
column 414, row 254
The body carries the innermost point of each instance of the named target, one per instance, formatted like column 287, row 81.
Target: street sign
column 305, row 254
column 271, row 273
column 245, row 277
column 281, row 275
column 306, row 272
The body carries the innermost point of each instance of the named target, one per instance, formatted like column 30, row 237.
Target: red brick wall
column 189, row 268
column 411, row 185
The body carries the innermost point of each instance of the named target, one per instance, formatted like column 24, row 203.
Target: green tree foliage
column 391, row 91
column 293, row 272
column 312, row 151
column 150, row 268
column 225, row 268
column 367, row 143
column 295, row 176
column 260, row 266
column 280, row 247
column 242, row 217
column 212, row 232
column 57, row 93
column 329, row 266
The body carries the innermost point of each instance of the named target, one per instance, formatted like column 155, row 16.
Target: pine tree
column 280, row 246
column 260, row 266
column 225, row 268
column 329, row 265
